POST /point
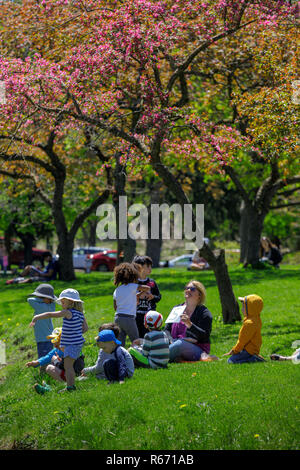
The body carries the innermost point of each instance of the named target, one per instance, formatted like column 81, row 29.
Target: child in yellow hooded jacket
column 249, row 341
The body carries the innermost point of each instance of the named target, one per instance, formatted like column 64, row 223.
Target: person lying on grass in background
column 73, row 328
column 49, row 273
column 249, row 341
column 115, row 361
column 295, row 357
column 153, row 350
column 54, row 362
column 98, row 368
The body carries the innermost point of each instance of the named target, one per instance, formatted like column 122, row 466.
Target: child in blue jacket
column 54, row 363
column 43, row 300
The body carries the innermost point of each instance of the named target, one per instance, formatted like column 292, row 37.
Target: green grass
column 189, row 406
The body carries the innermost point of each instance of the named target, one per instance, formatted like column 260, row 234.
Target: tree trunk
column 7, row 241
column 251, row 230
column 65, row 242
column 126, row 247
column 27, row 240
column 89, row 232
column 92, row 223
column 65, row 252
column 229, row 304
column 153, row 250
column 153, row 246
column 243, row 232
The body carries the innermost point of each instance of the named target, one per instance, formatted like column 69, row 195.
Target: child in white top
column 125, row 299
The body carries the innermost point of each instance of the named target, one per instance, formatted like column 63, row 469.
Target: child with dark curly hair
column 125, row 299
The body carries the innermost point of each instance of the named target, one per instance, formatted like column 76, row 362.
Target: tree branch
column 88, row 211
column 181, row 68
column 113, row 130
column 237, row 182
column 14, row 175
column 289, row 204
column 288, row 192
column 27, row 158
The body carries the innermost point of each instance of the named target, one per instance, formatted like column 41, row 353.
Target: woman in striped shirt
column 73, row 328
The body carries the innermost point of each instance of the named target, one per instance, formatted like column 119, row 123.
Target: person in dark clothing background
column 147, row 301
column 270, row 252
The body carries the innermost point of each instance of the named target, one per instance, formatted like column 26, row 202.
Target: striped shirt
column 72, row 329
column 156, row 348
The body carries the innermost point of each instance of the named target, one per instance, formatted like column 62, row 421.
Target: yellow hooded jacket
column 250, row 333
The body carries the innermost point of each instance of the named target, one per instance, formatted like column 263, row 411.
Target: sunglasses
column 192, row 289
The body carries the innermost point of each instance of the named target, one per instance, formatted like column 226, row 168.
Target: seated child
column 118, row 365
column 154, row 350
column 54, row 362
column 249, row 341
column 98, row 368
column 295, row 357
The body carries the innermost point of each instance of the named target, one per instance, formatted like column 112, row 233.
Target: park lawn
column 186, row 407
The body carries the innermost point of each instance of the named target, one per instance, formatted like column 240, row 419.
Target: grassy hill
column 188, row 406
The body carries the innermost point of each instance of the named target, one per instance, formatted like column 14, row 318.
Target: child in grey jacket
column 98, row 368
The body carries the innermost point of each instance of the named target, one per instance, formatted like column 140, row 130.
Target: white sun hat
column 70, row 294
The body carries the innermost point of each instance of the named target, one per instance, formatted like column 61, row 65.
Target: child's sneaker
column 41, row 389
column 208, row 357
column 82, row 377
column 68, row 389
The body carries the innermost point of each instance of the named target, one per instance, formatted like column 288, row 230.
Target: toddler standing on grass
column 148, row 300
column 125, row 299
column 43, row 300
column 73, row 328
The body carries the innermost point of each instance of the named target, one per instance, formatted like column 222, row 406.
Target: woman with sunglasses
column 189, row 326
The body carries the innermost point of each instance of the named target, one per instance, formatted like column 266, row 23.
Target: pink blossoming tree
column 129, row 78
